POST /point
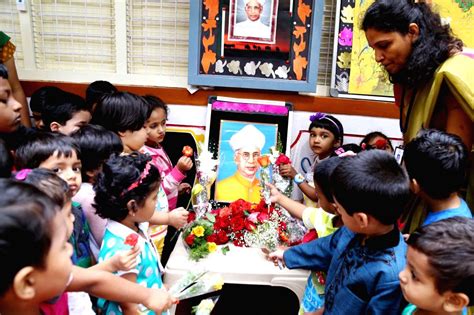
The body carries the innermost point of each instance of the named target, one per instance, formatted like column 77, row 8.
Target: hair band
column 320, row 116
column 140, row 179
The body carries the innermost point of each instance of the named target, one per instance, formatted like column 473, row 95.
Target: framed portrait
column 238, row 131
column 258, row 44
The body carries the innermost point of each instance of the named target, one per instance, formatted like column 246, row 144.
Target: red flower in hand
column 190, row 239
column 131, row 239
column 282, row 159
column 187, row 151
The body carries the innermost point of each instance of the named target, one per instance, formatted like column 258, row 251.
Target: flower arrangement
column 196, row 237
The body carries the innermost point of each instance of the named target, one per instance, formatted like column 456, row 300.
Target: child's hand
column 126, row 260
column 184, row 188
column 275, row 194
column 159, row 300
column 178, row 217
column 286, row 170
column 275, row 256
column 184, row 164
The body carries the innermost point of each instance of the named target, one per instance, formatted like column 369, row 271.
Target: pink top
column 171, row 176
column 60, row 306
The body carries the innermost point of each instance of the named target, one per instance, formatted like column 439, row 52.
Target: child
column 46, row 95
column 10, row 118
column 126, row 195
column 439, row 275
column 125, row 114
column 436, row 162
column 172, row 177
column 322, row 221
column 363, row 258
column 96, row 282
column 6, row 161
column 376, row 140
column 326, row 134
column 96, row 144
column 96, row 90
column 67, row 114
column 36, row 257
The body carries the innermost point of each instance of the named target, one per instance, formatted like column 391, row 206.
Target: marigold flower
column 211, row 246
column 198, row 231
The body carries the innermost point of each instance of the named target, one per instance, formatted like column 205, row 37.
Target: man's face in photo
column 253, row 9
column 246, row 161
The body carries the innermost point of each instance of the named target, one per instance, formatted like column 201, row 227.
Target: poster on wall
column 355, row 72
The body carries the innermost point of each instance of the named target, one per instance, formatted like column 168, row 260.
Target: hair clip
column 140, row 179
column 339, row 151
column 317, row 116
column 23, row 174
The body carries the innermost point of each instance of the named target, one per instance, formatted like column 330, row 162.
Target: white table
column 241, row 265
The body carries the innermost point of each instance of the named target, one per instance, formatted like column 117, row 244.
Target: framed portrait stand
column 228, row 116
column 276, row 48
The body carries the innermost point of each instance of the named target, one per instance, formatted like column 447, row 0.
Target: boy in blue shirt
column 436, row 162
column 363, row 258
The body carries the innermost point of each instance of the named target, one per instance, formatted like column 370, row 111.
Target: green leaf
column 225, row 249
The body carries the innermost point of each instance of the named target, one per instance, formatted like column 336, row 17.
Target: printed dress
column 148, row 270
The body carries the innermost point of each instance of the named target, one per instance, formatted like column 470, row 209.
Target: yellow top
column 237, row 186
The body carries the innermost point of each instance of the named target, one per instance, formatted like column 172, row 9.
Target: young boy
column 67, row 114
column 439, row 276
column 96, row 90
column 436, row 162
column 40, row 99
column 363, row 258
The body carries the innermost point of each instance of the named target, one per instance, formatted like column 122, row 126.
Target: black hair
column 371, row 136
column 49, row 183
column 112, row 186
column 43, row 145
column 155, row 102
column 437, row 161
column 6, row 161
column 434, row 45
column 62, row 108
column 3, row 71
column 330, row 123
column 121, row 111
column 26, row 218
column 371, row 182
column 322, row 175
column 448, row 246
column 345, row 148
column 97, row 89
column 96, row 144
column 46, row 95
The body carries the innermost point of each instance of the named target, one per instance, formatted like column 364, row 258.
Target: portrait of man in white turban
column 247, row 145
column 253, row 19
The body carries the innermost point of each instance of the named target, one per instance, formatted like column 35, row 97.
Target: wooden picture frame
column 285, row 60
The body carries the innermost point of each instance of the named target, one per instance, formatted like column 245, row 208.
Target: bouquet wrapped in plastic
column 206, row 171
column 206, row 306
column 195, row 283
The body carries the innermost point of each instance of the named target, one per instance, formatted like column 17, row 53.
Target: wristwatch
column 299, row 178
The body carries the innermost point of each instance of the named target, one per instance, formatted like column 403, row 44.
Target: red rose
column 262, row 217
column 282, row 225
column 191, row 216
column 250, row 226
column 237, row 224
column 212, row 238
column 284, row 237
column 187, row 151
column 190, row 239
column 225, row 212
column 131, row 239
column 222, row 237
column 282, row 159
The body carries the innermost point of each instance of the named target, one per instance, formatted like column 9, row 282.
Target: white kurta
column 252, row 29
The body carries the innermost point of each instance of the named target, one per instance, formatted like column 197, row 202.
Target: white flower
column 205, row 307
column 234, row 67
column 251, row 68
column 220, row 66
column 267, row 69
column 282, row 72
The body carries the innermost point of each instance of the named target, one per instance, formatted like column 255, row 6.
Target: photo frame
column 251, row 119
column 281, row 54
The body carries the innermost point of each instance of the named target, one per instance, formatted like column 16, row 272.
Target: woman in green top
column 7, row 50
column 434, row 82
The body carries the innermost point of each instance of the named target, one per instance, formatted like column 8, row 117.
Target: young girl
column 36, row 257
column 126, row 195
column 323, row 221
column 376, row 140
column 172, row 177
column 326, row 134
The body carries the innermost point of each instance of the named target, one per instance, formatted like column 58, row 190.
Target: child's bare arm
column 177, row 218
column 287, row 170
column 124, row 260
column 111, row 287
column 294, row 207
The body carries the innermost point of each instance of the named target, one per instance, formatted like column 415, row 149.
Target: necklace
column 403, row 127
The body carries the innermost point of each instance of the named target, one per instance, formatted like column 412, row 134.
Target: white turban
column 262, row 2
column 249, row 136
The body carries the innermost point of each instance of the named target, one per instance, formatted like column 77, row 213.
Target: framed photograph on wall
column 238, row 132
column 258, row 44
